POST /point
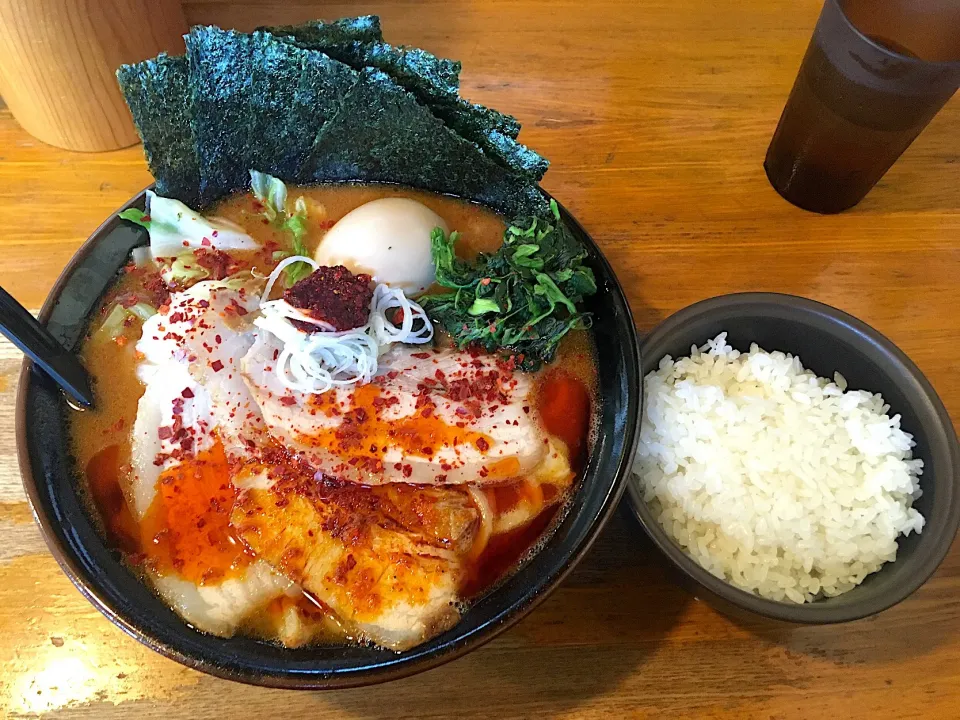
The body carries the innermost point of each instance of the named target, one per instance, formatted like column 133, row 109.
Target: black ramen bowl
column 826, row 340
column 101, row 575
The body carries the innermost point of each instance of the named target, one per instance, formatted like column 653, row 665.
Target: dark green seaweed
column 322, row 102
column 382, row 134
column 293, row 93
column 509, row 153
column 317, row 34
column 156, row 92
column 422, row 73
column 434, row 81
column 221, row 82
column 428, row 77
column 257, row 104
column 468, row 119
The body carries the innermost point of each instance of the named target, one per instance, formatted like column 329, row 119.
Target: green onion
column 136, row 216
column 115, row 323
column 521, row 299
column 481, row 306
column 272, row 194
column 186, row 270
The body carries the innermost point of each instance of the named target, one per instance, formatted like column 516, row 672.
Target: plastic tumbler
column 875, row 73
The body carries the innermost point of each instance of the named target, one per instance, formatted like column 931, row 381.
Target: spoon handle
column 24, row 331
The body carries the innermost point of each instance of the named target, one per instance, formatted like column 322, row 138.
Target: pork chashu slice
column 430, row 417
column 387, row 584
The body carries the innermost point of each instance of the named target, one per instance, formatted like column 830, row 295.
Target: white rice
column 775, row 480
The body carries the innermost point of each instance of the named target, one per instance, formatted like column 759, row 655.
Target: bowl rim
column 807, row 613
column 374, row 673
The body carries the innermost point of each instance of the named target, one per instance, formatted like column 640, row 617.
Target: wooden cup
column 58, row 59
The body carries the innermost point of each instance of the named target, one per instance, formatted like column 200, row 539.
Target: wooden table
column 656, row 115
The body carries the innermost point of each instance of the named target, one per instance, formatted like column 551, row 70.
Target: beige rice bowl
column 780, row 482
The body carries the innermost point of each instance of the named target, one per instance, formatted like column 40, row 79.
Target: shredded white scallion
column 386, row 299
column 284, row 309
column 318, row 361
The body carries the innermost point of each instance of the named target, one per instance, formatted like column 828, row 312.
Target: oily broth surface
column 112, row 369
column 576, row 361
column 105, row 431
column 481, row 229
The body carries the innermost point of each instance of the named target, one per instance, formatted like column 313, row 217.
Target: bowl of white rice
column 792, row 461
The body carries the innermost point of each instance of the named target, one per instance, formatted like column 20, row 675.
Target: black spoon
column 39, row 345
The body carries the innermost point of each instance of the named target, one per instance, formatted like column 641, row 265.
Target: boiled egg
column 389, row 239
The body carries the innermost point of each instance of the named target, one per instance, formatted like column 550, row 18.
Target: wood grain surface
column 58, row 58
column 656, row 115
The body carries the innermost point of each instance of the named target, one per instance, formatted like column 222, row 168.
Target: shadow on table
column 596, row 630
column 916, row 627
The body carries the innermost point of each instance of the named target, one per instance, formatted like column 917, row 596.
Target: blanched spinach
column 519, row 300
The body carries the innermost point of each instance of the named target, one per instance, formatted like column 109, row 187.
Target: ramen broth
column 564, row 395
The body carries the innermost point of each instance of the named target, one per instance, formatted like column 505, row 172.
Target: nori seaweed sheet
column 435, row 82
column 422, row 73
column 286, row 106
column 156, row 92
column 293, row 93
column 494, row 132
column 258, row 103
column 382, row 134
column 221, row 81
column 468, row 118
column 317, row 34
column 513, row 154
